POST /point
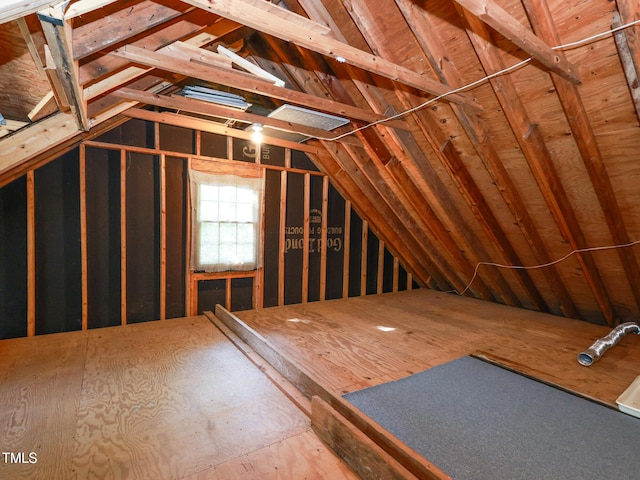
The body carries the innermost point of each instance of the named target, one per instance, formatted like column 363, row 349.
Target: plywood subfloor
column 349, row 344
column 172, row 399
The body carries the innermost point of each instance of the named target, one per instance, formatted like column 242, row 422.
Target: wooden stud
column 346, row 248
column 227, row 293
column 380, row 282
column 163, row 238
column 363, row 257
column 283, row 224
column 305, row 239
column 396, row 274
column 188, row 297
column 83, row 235
column 31, row 255
column 123, row 237
column 323, row 238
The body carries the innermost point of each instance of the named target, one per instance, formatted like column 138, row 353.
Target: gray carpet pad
column 475, row 421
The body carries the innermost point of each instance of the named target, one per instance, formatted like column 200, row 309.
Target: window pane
column 227, row 212
column 208, row 211
column 244, row 213
column 228, row 233
column 228, row 194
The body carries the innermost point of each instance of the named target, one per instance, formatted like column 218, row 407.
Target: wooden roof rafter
column 587, row 144
column 477, row 131
column 540, row 162
column 496, row 17
column 449, row 157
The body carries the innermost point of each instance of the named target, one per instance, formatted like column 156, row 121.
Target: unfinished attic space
column 319, row 239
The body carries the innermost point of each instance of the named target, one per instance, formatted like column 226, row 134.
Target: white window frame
column 226, row 214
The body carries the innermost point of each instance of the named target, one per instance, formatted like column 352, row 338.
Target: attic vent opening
column 302, row 116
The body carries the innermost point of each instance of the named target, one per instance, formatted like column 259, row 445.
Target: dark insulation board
column 13, row 259
column 103, row 237
column 58, row 257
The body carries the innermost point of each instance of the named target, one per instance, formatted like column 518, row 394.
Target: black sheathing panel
column 58, row 257
column 294, row 239
column 103, row 237
column 211, row 293
column 387, row 282
column 271, row 238
column 355, row 257
column 301, row 161
column 176, row 207
column 13, row 259
column 241, row 294
column 177, row 139
column 335, row 244
column 213, row 145
column 272, row 155
column 135, row 133
column 244, row 150
column 373, row 245
column 143, row 237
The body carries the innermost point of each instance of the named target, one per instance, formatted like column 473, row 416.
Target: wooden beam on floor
column 313, row 388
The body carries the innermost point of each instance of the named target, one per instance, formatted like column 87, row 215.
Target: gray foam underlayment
column 475, row 421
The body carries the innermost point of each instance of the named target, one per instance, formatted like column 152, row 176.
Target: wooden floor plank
column 430, row 328
column 303, row 456
column 162, row 400
column 39, row 397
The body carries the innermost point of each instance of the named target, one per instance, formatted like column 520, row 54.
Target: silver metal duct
column 595, row 351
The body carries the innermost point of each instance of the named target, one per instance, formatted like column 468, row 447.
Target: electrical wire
column 542, row 265
column 473, row 84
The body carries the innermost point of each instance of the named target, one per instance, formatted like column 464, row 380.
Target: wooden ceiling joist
column 255, row 15
column 184, row 104
column 496, row 17
column 246, row 82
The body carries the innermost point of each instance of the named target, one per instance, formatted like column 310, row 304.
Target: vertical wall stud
column 31, row 255
column 346, row 248
column 364, row 255
column 396, row 273
column 323, row 238
column 83, row 235
column 163, row 237
column 123, row 236
column 283, row 224
column 305, row 238
column 380, row 284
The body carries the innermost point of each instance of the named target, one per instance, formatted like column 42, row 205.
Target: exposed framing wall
column 100, row 236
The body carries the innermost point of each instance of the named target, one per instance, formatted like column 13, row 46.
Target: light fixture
column 256, row 136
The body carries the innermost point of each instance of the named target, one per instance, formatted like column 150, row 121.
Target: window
column 226, row 222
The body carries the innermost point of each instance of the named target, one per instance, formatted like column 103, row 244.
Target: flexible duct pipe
column 595, row 351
